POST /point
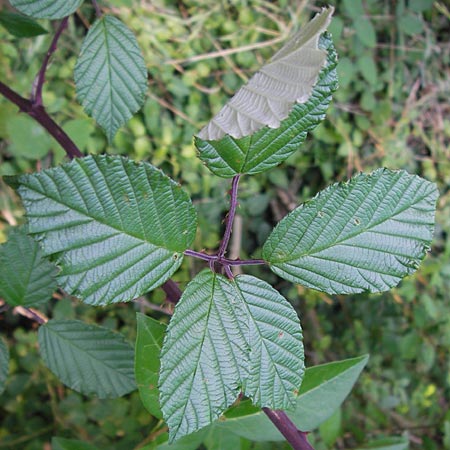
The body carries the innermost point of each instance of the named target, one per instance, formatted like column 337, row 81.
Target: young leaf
column 362, row 235
column 26, row 277
column 323, row 390
column 270, row 94
column 203, row 357
column 110, row 74
column 4, row 364
column 276, row 357
column 89, row 359
column 47, row 9
column 269, row 147
column 117, row 228
column 226, row 336
column 150, row 335
column 19, row 25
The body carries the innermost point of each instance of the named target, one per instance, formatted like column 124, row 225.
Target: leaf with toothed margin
column 258, row 150
column 90, row 359
column 226, row 336
column 47, row 9
column 362, row 235
column 115, row 227
column 110, row 74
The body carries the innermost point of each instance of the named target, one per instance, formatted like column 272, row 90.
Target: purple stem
column 98, row 11
column 288, row 429
column 172, row 291
column 230, row 217
column 225, row 261
column 36, row 93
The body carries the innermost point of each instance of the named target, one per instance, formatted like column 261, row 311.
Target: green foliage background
column 391, row 110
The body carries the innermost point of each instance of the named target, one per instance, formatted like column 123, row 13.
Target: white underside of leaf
column 270, row 94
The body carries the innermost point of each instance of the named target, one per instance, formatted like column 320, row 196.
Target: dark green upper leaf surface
column 226, row 336
column 323, row 390
column 362, row 235
column 19, row 25
column 150, row 335
column 87, row 358
column 269, row 147
column 117, row 228
column 4, row 364
column 47, row 9
column 110, row 74
column 26, row 277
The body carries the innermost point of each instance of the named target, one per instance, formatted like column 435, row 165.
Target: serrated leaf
column 269, row 147
column 276, row 357
column 323, row 390
column 362, row 235
column 47, row 9
column 89, row 359
column 110, row 74
column 270, row 94
column 226, row 336
column 59, row 443
column 20, row 26
column 117, row 228
column 150, row 335
column 26, row 277
column 203, row 355
column 4, row 364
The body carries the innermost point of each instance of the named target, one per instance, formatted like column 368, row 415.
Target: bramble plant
column 106, row 229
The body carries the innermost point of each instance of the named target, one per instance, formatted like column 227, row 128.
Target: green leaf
column 394, row 443
column 20, row 26
column 323, row 390
column 59, row 443
column 150, row 335
column 117, row 228
column 218, row 438
column 110, row 74
column 362, row 235
column 223, row 337
column 269, row 147
column 4, row 364
column 89, row 359
column 190, row 442
column 270, row 94
column 47, row 9
column 365, row 31
column 26, row 277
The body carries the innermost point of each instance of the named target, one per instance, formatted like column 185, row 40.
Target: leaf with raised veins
column 269, row 147
column 115, row 227
column 362, row 235
column 228, row 335
column 47, row 9
column 110, row 74
column 90, row 359
column 26, row 277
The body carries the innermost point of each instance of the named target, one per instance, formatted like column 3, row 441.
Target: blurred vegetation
column 391, row 110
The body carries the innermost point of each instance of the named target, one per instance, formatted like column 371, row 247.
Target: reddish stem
column 36, row 93
column 288, row 429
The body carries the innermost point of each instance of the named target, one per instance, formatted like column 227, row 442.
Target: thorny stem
column 288, row 429
column 36, row 93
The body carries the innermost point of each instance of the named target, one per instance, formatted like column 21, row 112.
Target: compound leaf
column 226, row 336
column 26, row 277
column 117, row 228
column 110, row 74
column 19, row 25
column 269, row 147
column 47, row 9
column 275, row 340
column 150, row 335
column 202, row 355
column 4, row 364
column 89, row 359
column 362, row 235
column 323, row 390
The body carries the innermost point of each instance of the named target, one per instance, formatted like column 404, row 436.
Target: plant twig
column 36, row 92
column 288, row 429
column 172, row 291
column 98, row 11
column 223, row 260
